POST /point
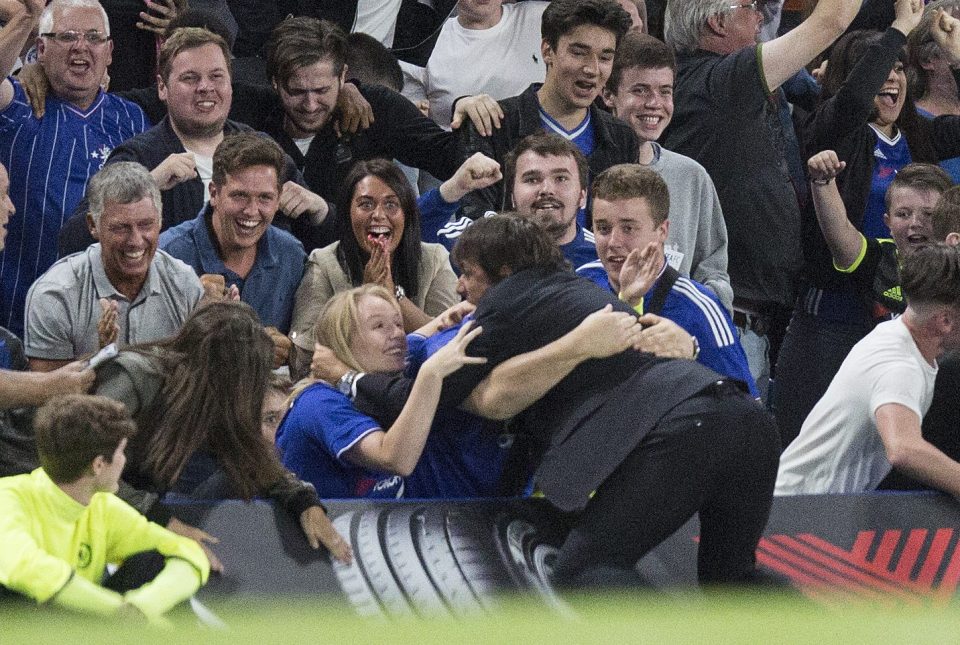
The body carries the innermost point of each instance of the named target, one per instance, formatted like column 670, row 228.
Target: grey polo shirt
column 63, row 306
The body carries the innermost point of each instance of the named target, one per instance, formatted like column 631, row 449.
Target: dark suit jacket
column 588, row 423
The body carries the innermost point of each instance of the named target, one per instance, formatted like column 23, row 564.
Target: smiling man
column 50, row 159
column 193, row 80
column 121, row 289
column 234, row 237
column 579, row 41
column 640, row 91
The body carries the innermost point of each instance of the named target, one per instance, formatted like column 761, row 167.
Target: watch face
column 345, row 384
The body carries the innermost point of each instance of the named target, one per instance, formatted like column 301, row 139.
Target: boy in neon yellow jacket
column 62, row 524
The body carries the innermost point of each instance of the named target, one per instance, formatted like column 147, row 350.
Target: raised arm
column 517, row 383
column 784, row 56
column 13, row 36
column 846, row 243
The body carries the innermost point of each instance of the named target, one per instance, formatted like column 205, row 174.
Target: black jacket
column 587, row 424
column 399, row 131
column 615, row 142
column 840, row 124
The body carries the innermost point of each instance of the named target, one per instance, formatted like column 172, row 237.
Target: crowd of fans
column 491, row 249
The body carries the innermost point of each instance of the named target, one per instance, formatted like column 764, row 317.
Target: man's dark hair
column 919, row 176
column 542, row 144
column 407, row 258
column 641, row 50
column 931, row 276
column 74, row 430
column 371, row 63
column 302, row 41
column 240, row 151
column 187, row 38
column 946, row 214
column 563, row 16
column 631, row 181
column 202, row 18
column 507, row 241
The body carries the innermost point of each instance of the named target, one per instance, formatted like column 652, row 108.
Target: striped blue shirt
column 50, row 161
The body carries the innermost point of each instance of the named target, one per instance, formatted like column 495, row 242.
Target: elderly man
column 727, row 119
column 51, row 158
column 194, row 83
column 233, row 236
column 119, row 290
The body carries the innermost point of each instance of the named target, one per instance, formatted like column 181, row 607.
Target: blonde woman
column 326, row 440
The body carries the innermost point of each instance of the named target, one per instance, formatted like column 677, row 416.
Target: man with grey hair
column 50, row 159
column 121, row 289
column 726, row 117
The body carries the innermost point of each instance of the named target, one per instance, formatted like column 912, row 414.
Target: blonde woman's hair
column 337, row 323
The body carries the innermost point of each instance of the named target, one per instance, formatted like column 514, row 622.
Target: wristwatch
column 399, row 292
column 347, row 381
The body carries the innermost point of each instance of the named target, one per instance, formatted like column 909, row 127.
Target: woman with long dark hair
column 197, row 399
column 380, row 243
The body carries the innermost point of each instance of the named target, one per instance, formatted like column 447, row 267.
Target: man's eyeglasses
column 752, row 6
column 72, row 37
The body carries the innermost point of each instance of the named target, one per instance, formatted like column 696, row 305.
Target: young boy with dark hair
column 61, row 525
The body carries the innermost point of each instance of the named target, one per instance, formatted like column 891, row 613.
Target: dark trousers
column 715, row 454
column 812, row 353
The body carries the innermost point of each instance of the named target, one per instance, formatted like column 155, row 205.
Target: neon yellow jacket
column 54, row 548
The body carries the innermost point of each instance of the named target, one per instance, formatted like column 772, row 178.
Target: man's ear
column 608, row 100
column 504, row 272
column 92, row 227
column 546, row 51
column 98, row 464
column 715, row 24
column 161, row 88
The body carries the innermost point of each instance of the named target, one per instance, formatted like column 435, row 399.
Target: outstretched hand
column 203, row 538
column 318, row 530
column 452, row 356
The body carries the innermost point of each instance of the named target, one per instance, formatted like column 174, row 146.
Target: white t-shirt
column 377, row 18
column 501, row 61
column 304, row 144
column 839, row 449
column 205, row 172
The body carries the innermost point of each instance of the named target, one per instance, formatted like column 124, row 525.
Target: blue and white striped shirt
column 50, row 161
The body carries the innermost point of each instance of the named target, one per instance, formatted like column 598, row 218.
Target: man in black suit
column 638, row 444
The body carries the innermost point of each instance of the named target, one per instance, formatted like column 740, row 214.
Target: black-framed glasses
column 71, row 37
